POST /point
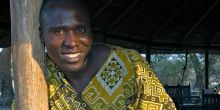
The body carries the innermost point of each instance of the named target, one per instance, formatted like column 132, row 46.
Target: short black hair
column 79, row 2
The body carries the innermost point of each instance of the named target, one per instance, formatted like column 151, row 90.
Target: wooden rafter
column 213, row 38
column 161, row 28
column 101, row 9
column 158, row 44
column 199, row 21
column 150, row 14
column 123, row 14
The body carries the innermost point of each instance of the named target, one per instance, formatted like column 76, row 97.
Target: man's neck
column 95, row 59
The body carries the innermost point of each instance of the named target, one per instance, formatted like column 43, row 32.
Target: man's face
column 67, row 36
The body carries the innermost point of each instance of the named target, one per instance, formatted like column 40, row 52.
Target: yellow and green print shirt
column 124, row 82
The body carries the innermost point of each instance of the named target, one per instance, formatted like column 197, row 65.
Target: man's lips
column 71, row 57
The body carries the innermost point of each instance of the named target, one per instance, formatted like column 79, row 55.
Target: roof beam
column 213, row 38
column 124, row 13
column 149, row 15
column 161, row 28
column 159, row 44
column 199, row 21
column 101, row 9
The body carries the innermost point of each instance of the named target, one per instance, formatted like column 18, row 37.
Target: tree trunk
column 199, row 71
column 7, row 94
column 28, row 54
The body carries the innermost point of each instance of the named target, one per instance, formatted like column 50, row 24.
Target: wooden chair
column 185, row 91
column 211, row 101
column 175, row 93
column 178, row 93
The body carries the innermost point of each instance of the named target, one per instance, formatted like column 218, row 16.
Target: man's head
column 66, row 33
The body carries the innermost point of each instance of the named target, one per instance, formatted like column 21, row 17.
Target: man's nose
column 72, row 39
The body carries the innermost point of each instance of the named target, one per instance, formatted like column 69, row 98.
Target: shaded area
column 5, row 39
column 163, row 26
column 172, row 26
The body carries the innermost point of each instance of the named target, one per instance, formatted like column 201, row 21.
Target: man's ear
column 41, row 35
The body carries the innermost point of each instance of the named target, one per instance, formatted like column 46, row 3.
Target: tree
column 197, row 62
column 169, row 67
column 214, row 70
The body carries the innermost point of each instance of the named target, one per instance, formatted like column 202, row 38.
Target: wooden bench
column 178, row 93
column 211, row 101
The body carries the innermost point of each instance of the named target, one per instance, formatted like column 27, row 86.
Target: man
column 87, row 76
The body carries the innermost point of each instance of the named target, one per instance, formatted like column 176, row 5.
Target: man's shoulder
column 124, row 50
column 125, row 53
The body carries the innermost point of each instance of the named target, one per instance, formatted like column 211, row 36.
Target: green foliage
column 170, row 68
column 214, row 74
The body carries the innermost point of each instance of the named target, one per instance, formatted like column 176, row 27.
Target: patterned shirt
column 124, row 82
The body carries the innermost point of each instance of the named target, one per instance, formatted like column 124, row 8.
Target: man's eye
column 59, row 31
column 81, row 29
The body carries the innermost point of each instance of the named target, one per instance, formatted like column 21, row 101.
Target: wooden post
column 206, row 68
column 28, row 54
column 148, row 54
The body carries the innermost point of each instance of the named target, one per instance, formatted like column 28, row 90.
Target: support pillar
column 28, row 54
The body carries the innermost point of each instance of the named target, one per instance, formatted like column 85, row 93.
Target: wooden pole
column 148, row 54
column 28, row 54
column 206, row 68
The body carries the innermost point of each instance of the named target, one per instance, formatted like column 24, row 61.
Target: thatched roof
column 159, row 25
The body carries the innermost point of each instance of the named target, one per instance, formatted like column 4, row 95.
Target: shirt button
column 84, row 104
column 128, row 102
column 58, row 93
column 51, row 103
column 74, row 95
